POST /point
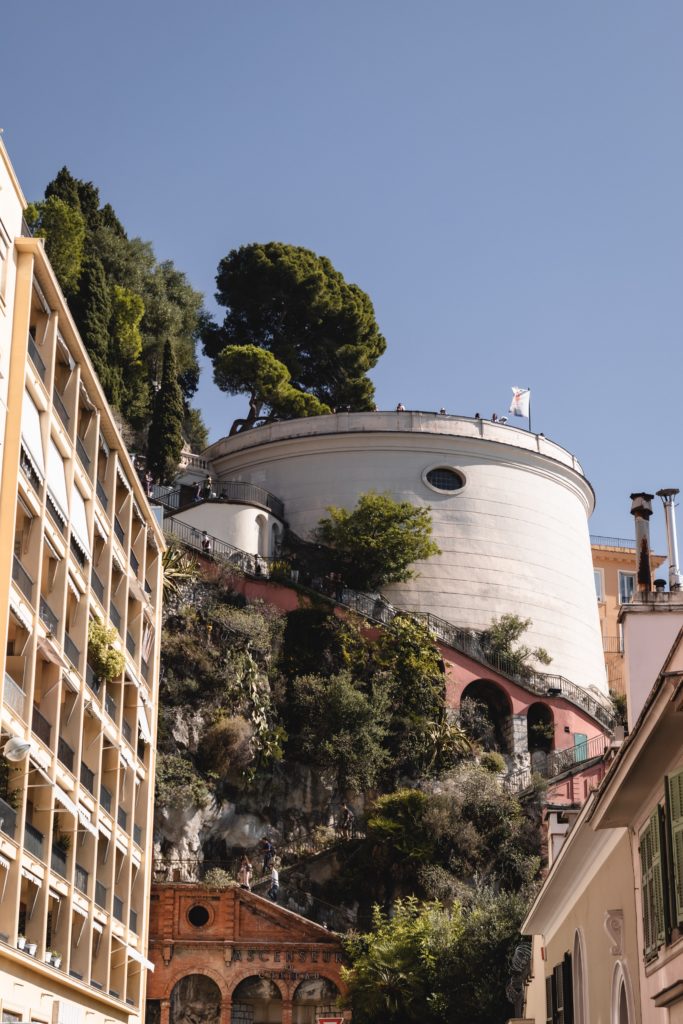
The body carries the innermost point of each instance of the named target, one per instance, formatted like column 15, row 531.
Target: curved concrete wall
column 247, row 527
column 513, row 539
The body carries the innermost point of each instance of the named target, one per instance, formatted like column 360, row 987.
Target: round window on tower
column 198, row 915
column 444, row 479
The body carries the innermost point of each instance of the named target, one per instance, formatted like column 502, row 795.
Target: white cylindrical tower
column 509, row 513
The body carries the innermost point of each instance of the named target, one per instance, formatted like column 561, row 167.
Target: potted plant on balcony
column 56, row 958
column 31, row 948
column 106, row 662
column 48, row 956
column 21, row 941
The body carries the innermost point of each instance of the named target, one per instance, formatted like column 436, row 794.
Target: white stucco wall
column 514, row 539
column 649, row 632
column 239, row 525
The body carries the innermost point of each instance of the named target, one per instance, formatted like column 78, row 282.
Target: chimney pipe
column 668, row 496
column 641, row 510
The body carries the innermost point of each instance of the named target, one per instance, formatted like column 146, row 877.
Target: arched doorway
column 195, row 999
column 540, row 726
column 256, row 1001
column 485, row 714
column 275, row 540
column 262, row 543
column 315, row 998
column 579, row 981
column 622, row 997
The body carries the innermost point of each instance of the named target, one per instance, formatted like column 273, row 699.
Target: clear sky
column 503, row 178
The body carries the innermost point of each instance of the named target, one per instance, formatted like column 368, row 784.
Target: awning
column 104, row 828
column 97, row 926
column 118, row 561
column 137, row 512
column 72, row 587
column 85, row 819
column 31, row 436
column 66, row 801
column 54, row 895
column 51, row 652
column 56, row 481
column 21, row 612
column 126, row 757
column 104, row 446
column 123, row 478
column 79, row 522
column 99, row 527
column 64, row 349
column 140, row 958
column 33, row 879
column 4, row 863
column 79, row 910
column 144, row 726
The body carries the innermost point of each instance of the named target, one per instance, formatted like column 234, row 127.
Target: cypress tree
column 166, row 434
column 92, row 311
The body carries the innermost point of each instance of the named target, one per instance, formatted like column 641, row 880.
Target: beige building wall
column 78, row 543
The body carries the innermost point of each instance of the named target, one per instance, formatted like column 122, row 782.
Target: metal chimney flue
column 668, row 496
column 641, row 510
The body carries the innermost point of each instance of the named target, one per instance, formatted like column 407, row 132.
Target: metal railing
column 36, row 357
column 134, row 563
column 13, row 696
column 33, row 840
column 81, row 879
column 122, row 819
column 169, row 497
column 98, row 586
column 40, row 726
column 118, row 908
column 115, row 615
column 612, row 542
column 58, row 860
column 137, row 835
column 101, row 894
column 252, row 494
column 110, row 706
column 65, row 754
column 22, row 579
column 102, row 495
column 86, row 461
column 48, row 616
column 118, row 529
column 467, row 641
column 61, row 408
column 92, row 680
column 133, row 921
column 8, row 819
column 105, row 799
column 130, row 644
column 127, row 731
column 72, row 652
column 612, row 645
column 87, row 778
column 557, row 762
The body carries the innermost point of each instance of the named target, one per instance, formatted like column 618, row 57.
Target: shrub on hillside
column 227, row 746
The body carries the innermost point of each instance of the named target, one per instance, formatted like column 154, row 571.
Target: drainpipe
column 668, row 496
column 641, row 510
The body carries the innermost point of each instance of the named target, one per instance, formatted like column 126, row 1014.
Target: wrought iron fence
column 557, row 762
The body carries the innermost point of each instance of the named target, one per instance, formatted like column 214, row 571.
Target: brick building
column 231, row 957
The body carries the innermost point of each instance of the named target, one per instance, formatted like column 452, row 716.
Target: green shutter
column 646, row 890
column 675, row 788
column 652, row 886
column 658, row 878
column 549, row 1018
column 568, row 989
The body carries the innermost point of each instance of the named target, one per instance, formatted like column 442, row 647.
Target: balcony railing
column 8, row 819
column 114, row 615
column 87, row 778
column 48, row 616
column 130, row 644
column 98, row 586
column 105, row 799
column 33, row 841
column 118, row 529
column 72, row 652
column 127, row 731
column 101, row 894
column 58, row 860
column 122, row 819
column 13, row 696
column 81, row 879
column 65, row 754
column 134, row 563
column 28, row 470
column 102, row 495
column 36, row 358
column 41, row 726
column 613, row 542
column 612, row 645
column 110, row 706
column 22, row 580
column 61, row 408
column 137, row 835
column 118, row 908
column 83, row 455
column 92, row 680
column 144, row 665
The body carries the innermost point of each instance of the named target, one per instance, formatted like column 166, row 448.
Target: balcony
column 60, row 407
column 122, row 819
column 41, row 727
column 137, row 835
column 86, row 462
column 36, row 358
column 102, row 495
column 72, row 652
column 28, row 470
column 130, row 645
column 58, row 860
column 22, row 580
column 33, row 841
column 144, row 665
column 98, row 586
column 105, row 799
column 48, row 616
column 77, row 553
column 133, row 921
column 148, row 589
column 115, row 616
column 8, row 819
column 81, row 879
column 101, row 894
column 13, row 696
column 54, row 515
column 92, row 680
column 110, row 706
column 134, row 563
column 87, row 778
column 127, row 731
column 65, row 754
column 118, row 530
column 118, row 909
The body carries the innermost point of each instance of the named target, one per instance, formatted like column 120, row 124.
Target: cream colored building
column 77, row 542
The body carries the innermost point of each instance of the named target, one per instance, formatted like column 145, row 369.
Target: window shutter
column 549, row 1018
column 675, row 790
column 646, row 890
column 558, row 975
column 568, row 989
column 659, row 928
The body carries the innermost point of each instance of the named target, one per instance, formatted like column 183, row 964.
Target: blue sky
column 504, row 179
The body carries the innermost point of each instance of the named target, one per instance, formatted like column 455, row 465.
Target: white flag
column 521, row 398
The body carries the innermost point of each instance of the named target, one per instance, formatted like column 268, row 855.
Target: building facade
column 228, row 956
column 78, row 546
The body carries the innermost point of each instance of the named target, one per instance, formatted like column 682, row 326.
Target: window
column 4, row 263
column 198, row 916
column 652, row 885
column 559, row 993
column 627, row 586
column 443, row 478
column 599, row 578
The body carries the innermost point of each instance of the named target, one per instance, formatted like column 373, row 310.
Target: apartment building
column 78, row 545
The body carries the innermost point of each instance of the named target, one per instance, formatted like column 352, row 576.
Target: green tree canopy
column 63, row 228
column 295, row 305
column 378, row 541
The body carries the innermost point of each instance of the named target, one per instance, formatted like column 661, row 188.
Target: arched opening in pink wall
column 486, row 713
column 540, row 724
